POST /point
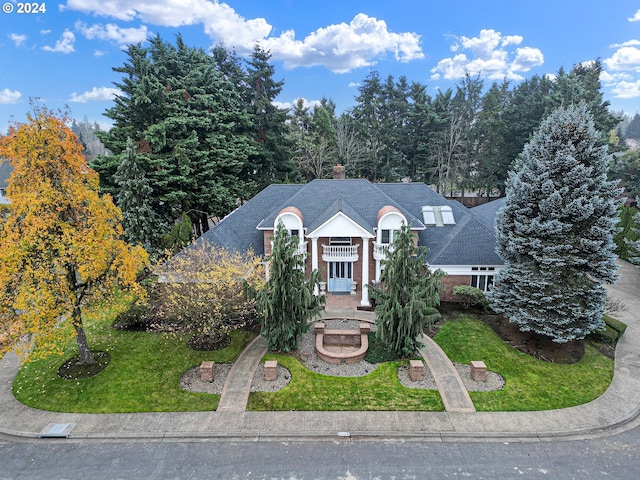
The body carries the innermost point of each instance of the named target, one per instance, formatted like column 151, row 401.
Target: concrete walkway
column 616, row 410
column 453, row 392
column 349, row 313
column 235, row 393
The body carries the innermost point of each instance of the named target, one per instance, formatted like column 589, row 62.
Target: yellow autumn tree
column 61, row 246
column 204, row 288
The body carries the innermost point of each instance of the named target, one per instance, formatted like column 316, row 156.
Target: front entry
column 340, row 275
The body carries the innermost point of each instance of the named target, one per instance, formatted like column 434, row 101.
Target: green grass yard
column 380, row 390
column 143, row 374
column 145, row 369
column 531, row 384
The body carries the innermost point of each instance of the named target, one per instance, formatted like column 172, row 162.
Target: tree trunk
column 85, row 353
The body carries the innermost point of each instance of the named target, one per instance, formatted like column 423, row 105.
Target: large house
column 345, row 228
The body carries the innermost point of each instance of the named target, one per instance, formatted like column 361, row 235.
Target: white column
column 378, row 270
column 365, row 272
column 314, row 260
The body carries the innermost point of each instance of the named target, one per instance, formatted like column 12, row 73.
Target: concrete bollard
column 416, row 370
column 206, row 371
column 478, row 371
column 270, row 370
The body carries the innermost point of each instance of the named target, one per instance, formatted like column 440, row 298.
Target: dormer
column 390, row 220
column 437, row 216
column 291, row 218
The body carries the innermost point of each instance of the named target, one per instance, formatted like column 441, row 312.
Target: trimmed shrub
column 617, row 325
column 470, row 296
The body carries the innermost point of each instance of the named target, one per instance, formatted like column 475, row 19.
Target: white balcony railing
column 340, row 253
column 380, row 250
column 302, row 248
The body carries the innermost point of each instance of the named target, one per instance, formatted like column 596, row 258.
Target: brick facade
column 450, row 281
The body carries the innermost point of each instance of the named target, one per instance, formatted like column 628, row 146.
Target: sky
column 63, row 53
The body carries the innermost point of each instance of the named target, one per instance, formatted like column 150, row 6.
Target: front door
column 340, row 276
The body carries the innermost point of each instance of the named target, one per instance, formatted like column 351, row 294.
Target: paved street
column 615, row 457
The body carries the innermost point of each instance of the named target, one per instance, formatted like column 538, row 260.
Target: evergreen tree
column 626, row 234
column 140, row 221
column 190, row 122
column 555, row 232
column 407, row 289
column 633, row 241
column 179, row 236
column 286, row 304
column 272, row 162
column 633, row 129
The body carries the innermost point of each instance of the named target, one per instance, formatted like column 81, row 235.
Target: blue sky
column 65, row 54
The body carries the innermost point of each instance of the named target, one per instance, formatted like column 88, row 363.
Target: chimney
column 339, row 172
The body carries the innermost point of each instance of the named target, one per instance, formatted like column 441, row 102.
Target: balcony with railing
column 381, row 250
column 340, row 253
column 301, row 250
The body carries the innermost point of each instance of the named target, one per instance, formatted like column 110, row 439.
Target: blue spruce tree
column 555, row 232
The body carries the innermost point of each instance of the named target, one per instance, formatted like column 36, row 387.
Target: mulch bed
column 72, row 370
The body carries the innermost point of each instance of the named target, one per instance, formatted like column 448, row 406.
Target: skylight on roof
column 438, row 215
column 428, row 216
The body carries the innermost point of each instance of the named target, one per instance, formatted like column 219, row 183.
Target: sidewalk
column 617, row 408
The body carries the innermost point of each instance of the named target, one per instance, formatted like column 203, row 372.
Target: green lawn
column 142, row 377
column 380, row 390
column 531, row 384
column 145, row 369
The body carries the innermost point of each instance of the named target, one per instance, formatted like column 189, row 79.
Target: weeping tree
column 407, row 292
column 555, row 232
column 286, row 304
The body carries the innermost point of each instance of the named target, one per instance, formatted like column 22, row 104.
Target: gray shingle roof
column 469, row 242
column 488, row 212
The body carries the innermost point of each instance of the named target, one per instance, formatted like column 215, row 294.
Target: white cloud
column 341, row 47
column 96, row 94
column 635, row 18
column 609, row 79
column 64, row 44
column 626, row 89
column 45, row 32
column 99, row 53
column 354, row 84
column 487, row 55
column 112, row 33
column 17, row 38
column 526, row 59
column 629, row 43
column 625, row 58
column 9, row 96
column 305, row 103
column 344, row 47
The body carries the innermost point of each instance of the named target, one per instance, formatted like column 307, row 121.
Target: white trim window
column 482, row 277
column 387, row 236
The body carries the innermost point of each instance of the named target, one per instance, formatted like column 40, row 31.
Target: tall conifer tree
column 407, row 288
column 555, row 232
column 141, row 224
column 286, row 304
